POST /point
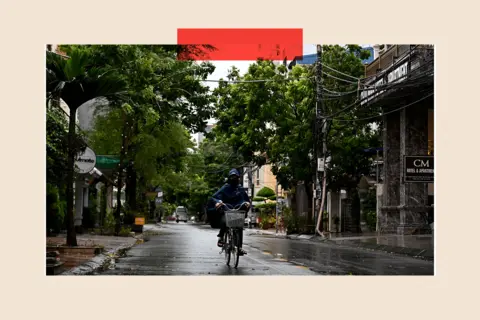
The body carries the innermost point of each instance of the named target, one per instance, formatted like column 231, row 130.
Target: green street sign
column 107, row 162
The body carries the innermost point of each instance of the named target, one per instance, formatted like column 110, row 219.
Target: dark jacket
column 231, row 195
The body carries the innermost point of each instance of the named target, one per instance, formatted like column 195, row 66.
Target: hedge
column 265, row 192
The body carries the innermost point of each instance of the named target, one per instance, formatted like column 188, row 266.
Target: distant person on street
column 231, row 194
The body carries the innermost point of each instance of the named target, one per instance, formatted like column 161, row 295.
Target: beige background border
column 26, row 26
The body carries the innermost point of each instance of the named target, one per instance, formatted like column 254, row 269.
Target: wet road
column 190, row 249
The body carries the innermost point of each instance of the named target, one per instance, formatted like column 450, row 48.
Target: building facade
column 401, row 83
column 264, row 177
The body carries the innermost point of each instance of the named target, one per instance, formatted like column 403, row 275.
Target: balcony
column 385, row 76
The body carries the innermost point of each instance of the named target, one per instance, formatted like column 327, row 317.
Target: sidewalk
column 93, row 251
column 279, row 234
column 269, row 232
column 410, row 245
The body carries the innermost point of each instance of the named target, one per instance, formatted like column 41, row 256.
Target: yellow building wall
column 267, row 179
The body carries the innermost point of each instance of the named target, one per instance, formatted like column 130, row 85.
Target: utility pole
column 320, row 150
column 276, row 207
column 250, row 187
column 250, row 181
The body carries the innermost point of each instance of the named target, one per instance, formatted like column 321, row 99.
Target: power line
column 356, row 103
column 340, row 79
column 408, row 76
column 385, row 113
column 399, row 60
column 338, row 93
column 367, row 98
column 335, row 70
column 367, row 78
column 256, row 80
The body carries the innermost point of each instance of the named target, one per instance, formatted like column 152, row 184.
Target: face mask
column 234, row 181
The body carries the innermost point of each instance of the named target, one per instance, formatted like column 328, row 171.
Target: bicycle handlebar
column 236, row 208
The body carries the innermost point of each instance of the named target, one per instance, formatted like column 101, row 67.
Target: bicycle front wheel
column 237, row 245
column 227, row 247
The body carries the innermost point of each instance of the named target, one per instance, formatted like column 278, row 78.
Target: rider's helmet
column 234, row 177
column 233, row 172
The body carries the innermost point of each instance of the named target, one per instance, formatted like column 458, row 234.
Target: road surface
column 190, row 249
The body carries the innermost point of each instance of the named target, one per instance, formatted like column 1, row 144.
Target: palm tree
column 76, row 80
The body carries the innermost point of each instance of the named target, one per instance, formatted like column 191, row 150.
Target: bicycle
column 232, row 239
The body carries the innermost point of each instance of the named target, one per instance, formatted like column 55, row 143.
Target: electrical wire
column 340, row 79
column 256, row 80
column 338, row 93
column 354, row 104
column 428, row 63
column 385, row 113
column 399, row 60
column 335, row 70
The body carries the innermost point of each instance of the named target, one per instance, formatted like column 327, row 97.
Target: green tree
column 347, row 136
column 271, row 121
column 265, row 192
column 202, row 173
column 56, row 144
column 76, row 80
column 274, row 120
column 165, row 99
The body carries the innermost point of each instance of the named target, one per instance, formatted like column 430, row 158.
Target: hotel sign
column 418, row 169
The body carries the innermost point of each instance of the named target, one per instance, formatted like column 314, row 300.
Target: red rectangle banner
column 240, row 44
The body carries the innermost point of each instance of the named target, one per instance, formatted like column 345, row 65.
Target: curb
column 271, row 235
column 100, row 261
column 300, row 237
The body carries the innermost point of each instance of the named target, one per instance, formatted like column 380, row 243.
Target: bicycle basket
column 235, row 219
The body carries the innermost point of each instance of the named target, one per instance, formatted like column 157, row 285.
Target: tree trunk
column 131, row 180
column 120, row 181
column 70, row 216
column 103, row 204
column 131, row 188
column 119, row 197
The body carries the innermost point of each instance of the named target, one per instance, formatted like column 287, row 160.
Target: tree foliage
column 274, row 121
column 347, row 138
column 265, row 192
column 203, row 172
column 166, row 99
column 77, row 80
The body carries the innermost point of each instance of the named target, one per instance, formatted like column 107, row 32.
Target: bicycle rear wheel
column 227, row 247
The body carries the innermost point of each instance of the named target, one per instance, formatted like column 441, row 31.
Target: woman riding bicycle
column 229, row 196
